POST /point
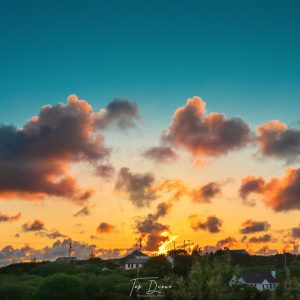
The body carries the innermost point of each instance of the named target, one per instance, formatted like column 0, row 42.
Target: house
column 261, row 280
column 135, row 260
column 67, row 259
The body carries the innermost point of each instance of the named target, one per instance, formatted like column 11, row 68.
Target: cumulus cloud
column 205, row 135
column 105, row 228
column 280, row 194
column 46, row 146
column 251, row 226
column 212, row 224
column 266, row 251
column 261, row 239
column 36, row 225
column 278, row 141
column 120, row 112
column 9, row 254
column 161, row 154
column 139, row 187
column 8, row 218
column 153, row 232
column 205, row 193
column 53, row 235
column 227, row 242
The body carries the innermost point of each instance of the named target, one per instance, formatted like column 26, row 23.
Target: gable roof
column 135, row 254
column 258, row 276
column 136, row 260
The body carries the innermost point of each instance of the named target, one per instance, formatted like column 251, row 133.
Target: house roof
column 238, row 251
column 258, row 276
column 136, row 260
column 134, row 254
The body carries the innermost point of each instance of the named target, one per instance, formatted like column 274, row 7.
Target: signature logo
column 147, row 286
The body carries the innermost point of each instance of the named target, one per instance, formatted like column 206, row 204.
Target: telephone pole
column 70, row 247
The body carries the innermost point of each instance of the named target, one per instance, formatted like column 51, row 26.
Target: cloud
column 36, row 225
column 8, row 218
column 276, row 140
column 295, row 232
column 251, row 226
column 105, row 171
column 139, row 187
column 212, row 224
column 176, row 188
column 153, row 232
column 227, row 242
column 208, row 135
column 205, row 193
column 9, row 254
column 55, row 234
column 261, row 239
column 280, row 194
column 120, row 112
column 161, row 154
column 46, row 147
column 250, row 185
column 105, row 228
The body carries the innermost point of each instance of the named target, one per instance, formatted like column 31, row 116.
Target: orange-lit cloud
column 204, row 134
column 279, row 194
column 8, row 218
column 277, row 140
column 105, row 228
column 36, row 225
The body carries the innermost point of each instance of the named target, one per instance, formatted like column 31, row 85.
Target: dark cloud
column 295, row 232
column 212, row 224
column 160, row 154
column 53, row 235
column 266, row 251
column 120, row 112
column 153, row 232
column 278, row 141
column 280, row 194
column 261, row 239
column 46, row 146
column 205, row 134
column 139, row 187
column 105, row 171
column 251, row 226
column 36, row 225
column 250, row 185
column 8, row 218
column 227, row 242
column 105, row 228
column 206, row 193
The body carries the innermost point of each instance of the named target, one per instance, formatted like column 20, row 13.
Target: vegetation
column 194, row 277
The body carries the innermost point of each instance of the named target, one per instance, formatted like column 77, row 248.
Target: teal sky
column 241, row 57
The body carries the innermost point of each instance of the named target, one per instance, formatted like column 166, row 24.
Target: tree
column 61, row 287
column 157, row 266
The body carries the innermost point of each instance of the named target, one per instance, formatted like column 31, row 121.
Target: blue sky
column 243, row 59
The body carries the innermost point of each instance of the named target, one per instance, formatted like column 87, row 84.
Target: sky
column 175, row 138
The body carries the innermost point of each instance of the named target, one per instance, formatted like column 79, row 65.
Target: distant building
column 135, row 260
column 67, row 259
column 238, row 251
column 261, row 280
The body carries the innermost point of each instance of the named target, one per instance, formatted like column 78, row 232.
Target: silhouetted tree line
column 194, row 277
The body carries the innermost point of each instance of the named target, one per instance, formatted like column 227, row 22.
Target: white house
column 261, row 280
column 135, row 260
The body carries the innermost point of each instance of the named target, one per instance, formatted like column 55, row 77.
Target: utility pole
column 70, row 248
column 139, row 256
column 174, row 245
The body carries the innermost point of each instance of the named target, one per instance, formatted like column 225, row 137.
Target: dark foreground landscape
column 192, row 276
